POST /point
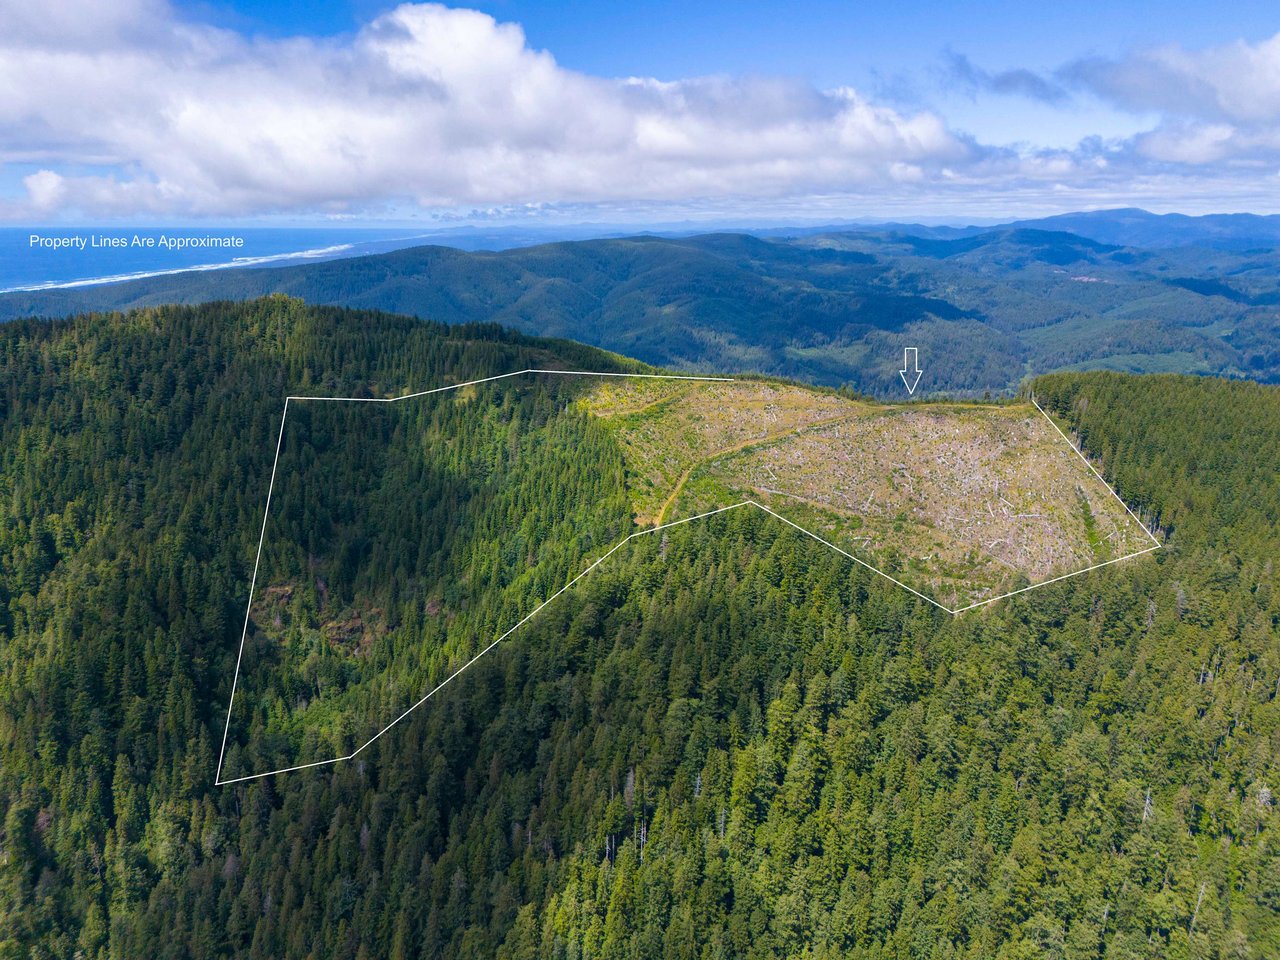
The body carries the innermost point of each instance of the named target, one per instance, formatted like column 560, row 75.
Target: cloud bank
column 1219, row 104
column 127, row 110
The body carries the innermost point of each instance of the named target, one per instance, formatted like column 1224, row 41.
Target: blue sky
column 829, row 42
column 898, row 50
column 367, row 111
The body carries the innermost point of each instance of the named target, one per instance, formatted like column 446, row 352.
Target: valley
column 985, row 309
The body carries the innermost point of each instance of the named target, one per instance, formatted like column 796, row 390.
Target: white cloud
column 1216, row 104
column 1236, row 82
column 124, row 109
column 46, row 190
column 425, row 105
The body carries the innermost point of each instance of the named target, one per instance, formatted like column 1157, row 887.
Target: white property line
column 504, row 376
column 1096, row 474
column 1106, row 563
column 827, row 543
column 523, row 620
column 612, row 550
column 266, row 512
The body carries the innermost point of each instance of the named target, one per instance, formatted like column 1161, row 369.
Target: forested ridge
column 727, row 742
column 983, row 310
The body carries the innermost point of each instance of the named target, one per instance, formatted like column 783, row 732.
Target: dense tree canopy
column 830, row 308
column 727, row 742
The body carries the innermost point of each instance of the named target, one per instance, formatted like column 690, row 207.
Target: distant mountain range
column 1123, row 226
column 1128, row 227
column 985, row 307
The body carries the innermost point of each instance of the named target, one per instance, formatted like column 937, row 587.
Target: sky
column 515, row 111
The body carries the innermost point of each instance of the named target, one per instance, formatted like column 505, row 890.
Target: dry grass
column 963, row 502
column 668, row 428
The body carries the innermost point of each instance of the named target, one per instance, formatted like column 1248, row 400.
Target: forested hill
column 835, row 309
column 1130, row 227
column 728, row 742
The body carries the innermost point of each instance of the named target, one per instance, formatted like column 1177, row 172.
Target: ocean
column 35, row 258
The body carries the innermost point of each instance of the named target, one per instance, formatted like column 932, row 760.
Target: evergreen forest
column 727, row 742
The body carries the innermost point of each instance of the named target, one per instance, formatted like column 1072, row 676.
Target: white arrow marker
column 910, row 365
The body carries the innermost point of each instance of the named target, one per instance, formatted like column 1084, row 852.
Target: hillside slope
column 727, row 743
column 832, row 309
column 1122, row 226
